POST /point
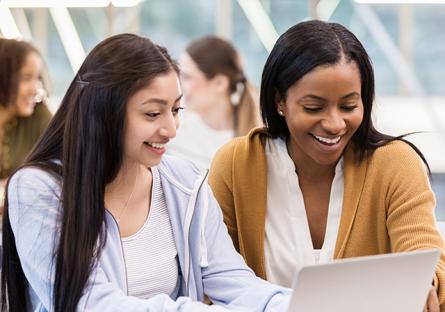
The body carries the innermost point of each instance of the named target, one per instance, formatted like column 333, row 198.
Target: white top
column 150, row 254
column 196, row 141
column 288, row 243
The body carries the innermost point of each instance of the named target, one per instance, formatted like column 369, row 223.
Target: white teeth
column 156, row 145
column 327, row 140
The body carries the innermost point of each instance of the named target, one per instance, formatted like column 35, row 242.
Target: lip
column 325, row 147
column 157, row 151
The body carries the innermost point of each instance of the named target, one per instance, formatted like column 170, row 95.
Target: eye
column 152, row 115
column 26, row 78
column 177, row 109
column 312, row 109
column 349, row 108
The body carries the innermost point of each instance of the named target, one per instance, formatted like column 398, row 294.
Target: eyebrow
column 313, row 97
column 319, row 98
column 352, row 94
column 160, row 101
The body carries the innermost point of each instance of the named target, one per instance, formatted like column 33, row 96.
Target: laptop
column 383, row 283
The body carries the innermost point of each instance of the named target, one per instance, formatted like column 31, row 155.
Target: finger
column 433, row 301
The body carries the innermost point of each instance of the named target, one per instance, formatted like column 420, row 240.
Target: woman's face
column 322, row 112
column 152, row 120
column 29, row 83
column 199, row 91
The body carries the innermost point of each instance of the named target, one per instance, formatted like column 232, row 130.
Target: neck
column 6, row 115
column 309, row 170
column 219, row 116
column 125, row 179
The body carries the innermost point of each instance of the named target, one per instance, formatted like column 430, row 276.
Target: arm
column 227, row 280
column 410, row 206
column 35, row 212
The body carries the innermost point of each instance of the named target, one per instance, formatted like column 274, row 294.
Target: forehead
column 32, row 61
column 163, row 87
column 188, row 65
column 340, row 77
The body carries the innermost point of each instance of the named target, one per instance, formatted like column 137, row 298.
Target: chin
column 25, row 110
column 328, row 161
column 151, row 163
column 25, row 113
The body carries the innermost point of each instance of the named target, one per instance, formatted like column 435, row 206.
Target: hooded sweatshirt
column 208, row 262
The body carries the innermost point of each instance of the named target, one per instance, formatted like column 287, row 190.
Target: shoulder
column 242, row 146
column 32, row 180
column 37, row 122
column 395, row 154
column 33, row 194
column 181, row 172
column 228, row 149
column 399, row 165
column 42, row 113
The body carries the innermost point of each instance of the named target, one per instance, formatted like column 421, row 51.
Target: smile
column 329, row 141
column 155, row 145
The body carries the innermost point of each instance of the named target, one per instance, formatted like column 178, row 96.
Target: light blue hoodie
column 208, row 261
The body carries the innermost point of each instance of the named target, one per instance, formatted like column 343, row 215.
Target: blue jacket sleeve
column 227, row 279
column 35, row 214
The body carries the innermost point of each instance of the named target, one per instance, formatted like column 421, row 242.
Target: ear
column 220, row 83
column 279, row 102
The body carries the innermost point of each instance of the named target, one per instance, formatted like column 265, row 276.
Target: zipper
column 123, row 254
column 188, row 221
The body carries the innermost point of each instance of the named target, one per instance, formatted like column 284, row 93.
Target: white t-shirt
column 150, row 254
column 196, row 141
column 288, row 243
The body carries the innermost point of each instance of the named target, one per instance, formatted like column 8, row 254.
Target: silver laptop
column 383, row 283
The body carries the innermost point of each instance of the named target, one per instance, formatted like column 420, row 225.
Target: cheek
column 141, row 132
column 21, row 94
column 356, row 120
column 185, row 84
column 297, row 126
column 198, row 86
column 194, row 89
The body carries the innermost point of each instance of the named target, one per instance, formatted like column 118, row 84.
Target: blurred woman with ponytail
column 220, row 102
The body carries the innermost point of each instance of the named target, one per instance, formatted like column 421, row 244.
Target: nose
column 334, row 122
column 36, row 85
column 169, row 125
column 36, row 89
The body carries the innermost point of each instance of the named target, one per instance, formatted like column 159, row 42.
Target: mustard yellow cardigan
column 388, row 204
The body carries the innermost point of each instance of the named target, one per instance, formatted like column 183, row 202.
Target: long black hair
column 299, row 50
column 86, row 135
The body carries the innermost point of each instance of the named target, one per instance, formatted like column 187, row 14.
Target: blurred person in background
column 23, row 112
column 220, row 101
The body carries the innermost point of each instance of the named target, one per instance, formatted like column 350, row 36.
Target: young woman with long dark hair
column 97, row 219
column 319, row 182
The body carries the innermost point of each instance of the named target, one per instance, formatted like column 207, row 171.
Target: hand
column 432, row 302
